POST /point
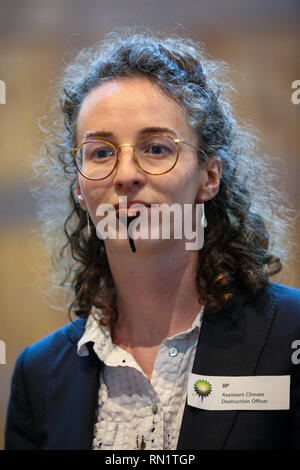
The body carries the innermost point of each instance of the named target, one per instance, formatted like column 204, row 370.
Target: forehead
column 123, row 106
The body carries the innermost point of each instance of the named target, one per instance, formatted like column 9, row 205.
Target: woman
column 160, row 326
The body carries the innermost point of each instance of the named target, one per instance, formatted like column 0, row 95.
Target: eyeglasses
column 155, row 154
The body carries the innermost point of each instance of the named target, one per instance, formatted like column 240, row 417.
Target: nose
column 128, row 175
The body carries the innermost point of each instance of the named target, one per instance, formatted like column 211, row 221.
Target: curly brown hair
column 245, row 216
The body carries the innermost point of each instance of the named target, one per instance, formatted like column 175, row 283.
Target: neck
column 156, row 292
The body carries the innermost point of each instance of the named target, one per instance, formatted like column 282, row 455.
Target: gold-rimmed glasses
column 155, row 154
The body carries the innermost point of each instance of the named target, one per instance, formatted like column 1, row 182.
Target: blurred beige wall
column 260, row 41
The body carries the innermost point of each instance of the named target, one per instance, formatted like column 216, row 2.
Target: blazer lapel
column 72, row 393
column 230, row 344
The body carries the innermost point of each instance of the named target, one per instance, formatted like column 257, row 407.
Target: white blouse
column 134, row 412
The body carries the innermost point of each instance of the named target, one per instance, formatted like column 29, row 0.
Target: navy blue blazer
column 54, row 392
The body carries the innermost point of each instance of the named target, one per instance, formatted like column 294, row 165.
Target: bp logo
column 202, row 388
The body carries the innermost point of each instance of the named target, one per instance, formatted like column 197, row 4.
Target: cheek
column 94, row 194
column 183, row 185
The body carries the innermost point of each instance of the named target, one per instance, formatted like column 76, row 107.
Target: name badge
column 259, row 392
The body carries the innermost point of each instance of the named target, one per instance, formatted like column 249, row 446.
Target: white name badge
column 258, row 392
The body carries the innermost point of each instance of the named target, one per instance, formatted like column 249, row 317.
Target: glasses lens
column 156, row 154
column 96, row 159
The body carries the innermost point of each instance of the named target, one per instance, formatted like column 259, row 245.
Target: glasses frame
column 74, row 151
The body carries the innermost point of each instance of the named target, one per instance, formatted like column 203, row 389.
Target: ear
column 211, row 177
column 79, row 196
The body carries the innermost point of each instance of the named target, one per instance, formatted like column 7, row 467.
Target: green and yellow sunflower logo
column 202, row 388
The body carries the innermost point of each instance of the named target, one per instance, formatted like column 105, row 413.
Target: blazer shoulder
column 58, row 341
column 287, row 304
column 285, row 291
column 286, row 296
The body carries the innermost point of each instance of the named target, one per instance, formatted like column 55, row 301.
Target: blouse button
column 154, row 409
column 173, row 352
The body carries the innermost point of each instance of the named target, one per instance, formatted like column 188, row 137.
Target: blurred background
column 259, row 39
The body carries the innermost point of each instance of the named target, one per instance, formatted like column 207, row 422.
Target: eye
column 156, row 149
column 159, row 149
column 101, row 153
column 98, row 152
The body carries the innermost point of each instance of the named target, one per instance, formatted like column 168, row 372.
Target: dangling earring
column 88, row 224
column 203, row 218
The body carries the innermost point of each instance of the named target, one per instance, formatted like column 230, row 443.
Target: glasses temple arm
column 193, row 146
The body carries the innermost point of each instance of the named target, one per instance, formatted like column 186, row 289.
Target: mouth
column 130, row 203
column 124, row 208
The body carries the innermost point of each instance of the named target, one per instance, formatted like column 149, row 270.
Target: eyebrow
column 141, row 133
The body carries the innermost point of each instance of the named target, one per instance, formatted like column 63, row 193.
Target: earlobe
column 80, row 197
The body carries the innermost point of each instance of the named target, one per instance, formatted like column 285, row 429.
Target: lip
column 130, row 203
